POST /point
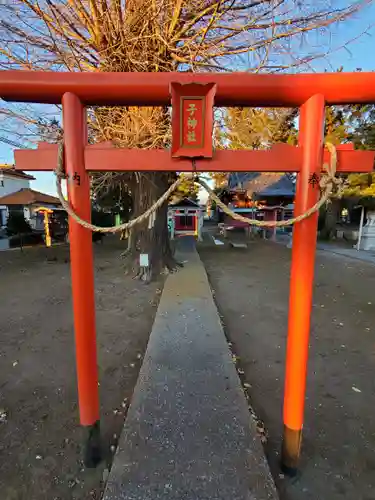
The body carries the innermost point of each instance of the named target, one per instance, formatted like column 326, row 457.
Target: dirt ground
column 251, row 290
column 40, row 438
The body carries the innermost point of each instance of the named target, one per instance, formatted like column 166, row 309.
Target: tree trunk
column 330, row 219
column 152, row 241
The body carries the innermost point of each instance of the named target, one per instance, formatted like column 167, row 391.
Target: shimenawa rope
column 329, row 185
column 127, row 226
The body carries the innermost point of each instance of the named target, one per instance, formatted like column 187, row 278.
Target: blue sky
column 359, row 54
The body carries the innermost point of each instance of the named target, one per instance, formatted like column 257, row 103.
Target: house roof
column 263, row 184
column 12, row 172
column 28, row 196
column 185, row 202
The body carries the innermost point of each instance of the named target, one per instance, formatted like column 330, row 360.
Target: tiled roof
column 28, row 197
column 262, row 184
column 11, row 172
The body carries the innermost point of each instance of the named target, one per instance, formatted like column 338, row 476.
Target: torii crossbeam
column 310, row 92
column 103, row 157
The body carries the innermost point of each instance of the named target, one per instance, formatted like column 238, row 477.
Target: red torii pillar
column 311, row 137
column 82, row 271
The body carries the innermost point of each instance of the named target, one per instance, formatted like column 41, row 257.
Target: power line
column 11, row 143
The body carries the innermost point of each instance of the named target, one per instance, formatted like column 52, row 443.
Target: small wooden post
column 274, row 228
column 200, row 225
column 358, row 245
column 301, row 281
column 82, row 265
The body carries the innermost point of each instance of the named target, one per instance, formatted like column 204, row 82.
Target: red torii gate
column 310, row 92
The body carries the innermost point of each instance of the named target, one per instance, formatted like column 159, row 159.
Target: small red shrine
column 257, row 195
column 185, row 218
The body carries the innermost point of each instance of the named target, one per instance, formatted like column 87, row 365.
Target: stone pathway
column 188, row 434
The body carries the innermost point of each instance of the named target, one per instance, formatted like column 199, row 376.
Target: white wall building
column 11, row 181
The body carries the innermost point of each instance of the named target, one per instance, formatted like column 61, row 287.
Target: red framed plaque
column 192, row 119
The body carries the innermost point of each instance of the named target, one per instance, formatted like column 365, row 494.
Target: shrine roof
column 263, row 184
column 185, row 202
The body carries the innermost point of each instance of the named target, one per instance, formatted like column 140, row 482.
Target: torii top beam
column 152, row 89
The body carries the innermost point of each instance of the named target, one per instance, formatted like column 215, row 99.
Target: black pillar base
column 92, row 452
column 288, row 471
column 290, row 451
